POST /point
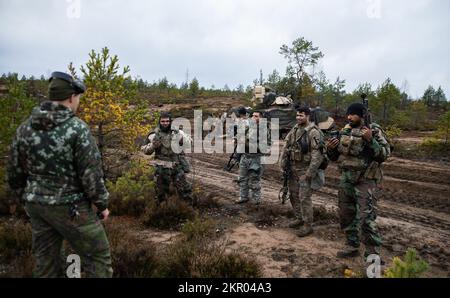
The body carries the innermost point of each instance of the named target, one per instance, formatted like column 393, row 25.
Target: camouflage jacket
column 310, row 157
column 160, row 143
column 358, row 157
column 54, row 159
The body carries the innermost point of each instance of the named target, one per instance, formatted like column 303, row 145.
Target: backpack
column 388, row 140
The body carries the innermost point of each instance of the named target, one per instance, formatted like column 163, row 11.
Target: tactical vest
column 351, row 147
column 165, row 152
column 356, row 155
column 300, row 145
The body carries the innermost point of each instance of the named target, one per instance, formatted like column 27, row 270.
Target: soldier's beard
column 164, row 128
column 354, row 124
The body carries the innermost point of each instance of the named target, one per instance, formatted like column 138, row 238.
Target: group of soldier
column 55, row 168
column 359, row 150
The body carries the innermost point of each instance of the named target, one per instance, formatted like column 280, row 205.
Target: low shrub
column 131, row 193
column 169, row 214
column 412, row 266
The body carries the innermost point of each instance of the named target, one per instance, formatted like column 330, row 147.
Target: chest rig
column 300, row 145
column 165, row 152
column 351, row 143
column 354, row 150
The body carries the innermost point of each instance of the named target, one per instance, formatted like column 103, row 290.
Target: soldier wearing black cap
column 359, row 151
column 171, row 165
column 55, row 168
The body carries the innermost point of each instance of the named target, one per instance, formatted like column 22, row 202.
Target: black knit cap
column 356, row 109
column 164, row 115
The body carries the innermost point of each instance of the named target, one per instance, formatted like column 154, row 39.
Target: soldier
column 323, row 121
column 240, row 121
column 250, row 167
column 242, row 113
column 55, row 168
column 303, row 153
column 359, row 151
column 170, row 166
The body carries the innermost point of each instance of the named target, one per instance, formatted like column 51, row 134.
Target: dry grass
column 131, row 257
column 15, row 248
column 199, row 254
column 170, row 214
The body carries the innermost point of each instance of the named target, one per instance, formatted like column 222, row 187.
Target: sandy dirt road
column 414, row 211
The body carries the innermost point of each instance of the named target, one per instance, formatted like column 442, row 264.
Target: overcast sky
column 229, row 41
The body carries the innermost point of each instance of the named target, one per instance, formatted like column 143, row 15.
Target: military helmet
column 321, row 118
column 241, row 111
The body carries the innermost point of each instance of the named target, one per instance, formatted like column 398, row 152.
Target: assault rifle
column 235, row 158
column 367, row 114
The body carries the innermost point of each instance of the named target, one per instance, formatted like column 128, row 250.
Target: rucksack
column 383, row 132
column 322, row 148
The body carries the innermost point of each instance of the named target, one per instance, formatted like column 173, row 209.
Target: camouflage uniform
column 360, row 166
column 305, row 163
column 170, row 166
column 55, row 168
column 250, row 167
column 239, row 123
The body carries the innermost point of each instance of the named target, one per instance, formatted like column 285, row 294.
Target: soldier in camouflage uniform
column 55, row 168
column 250, row 167
column 304, row 153
column 240, row 122
column 170, row 166
column 359, row 153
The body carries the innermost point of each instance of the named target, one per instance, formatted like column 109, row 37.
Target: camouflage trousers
column 250, row 173
column 300, row 197
column 357, row 210
column 85, row 234
column 165, row 176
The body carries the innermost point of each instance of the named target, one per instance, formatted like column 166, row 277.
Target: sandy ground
column 413, row 211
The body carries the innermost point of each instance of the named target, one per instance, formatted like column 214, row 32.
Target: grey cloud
column 228, row 41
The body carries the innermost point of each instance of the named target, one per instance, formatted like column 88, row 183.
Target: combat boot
column 349, row 251
column 305, row 231
column 241, row 201
column 296, row 223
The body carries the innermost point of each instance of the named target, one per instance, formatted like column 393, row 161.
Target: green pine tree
column 412, row 266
